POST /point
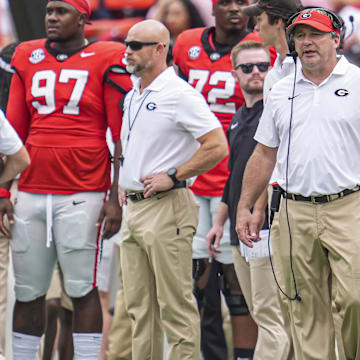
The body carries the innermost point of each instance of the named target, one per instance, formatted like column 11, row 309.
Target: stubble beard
column 254, row 89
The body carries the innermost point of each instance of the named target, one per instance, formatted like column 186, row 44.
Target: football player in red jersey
column 64, row 94
column 203, row 59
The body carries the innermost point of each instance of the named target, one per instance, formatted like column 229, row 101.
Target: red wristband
column 4, row 193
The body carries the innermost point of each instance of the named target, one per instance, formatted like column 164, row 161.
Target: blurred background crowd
column 111, row 19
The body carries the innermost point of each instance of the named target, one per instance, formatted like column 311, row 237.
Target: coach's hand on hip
column 156, row 183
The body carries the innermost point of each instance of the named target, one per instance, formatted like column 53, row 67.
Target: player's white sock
column 25, row 347
column 87, row 345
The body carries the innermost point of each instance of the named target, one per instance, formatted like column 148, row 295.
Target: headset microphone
column 351, row 19
column 293, row 54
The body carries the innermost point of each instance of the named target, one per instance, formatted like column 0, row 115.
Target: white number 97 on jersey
column 44, row 83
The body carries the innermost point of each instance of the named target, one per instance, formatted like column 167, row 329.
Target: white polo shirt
column 160, row 127
column 10, row 142
column 279, row 70
column 325, row 137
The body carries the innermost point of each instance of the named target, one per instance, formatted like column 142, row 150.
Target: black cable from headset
column 296, row 296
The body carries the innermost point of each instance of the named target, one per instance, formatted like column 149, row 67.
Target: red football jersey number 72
column 203, row 77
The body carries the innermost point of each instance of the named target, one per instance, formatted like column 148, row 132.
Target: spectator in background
column 350, row 9
column 180, row 15
column 6, row 27
column 329, row 4
column 203, row 7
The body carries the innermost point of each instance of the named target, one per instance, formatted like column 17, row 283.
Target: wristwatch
column 172, row 175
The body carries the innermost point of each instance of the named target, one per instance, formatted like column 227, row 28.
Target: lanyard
column 131, row 123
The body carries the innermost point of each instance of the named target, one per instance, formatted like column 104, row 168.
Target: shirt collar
column 158, row 83
column 279, row 64
column 340, row 69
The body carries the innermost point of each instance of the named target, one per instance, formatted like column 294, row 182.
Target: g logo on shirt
column 341, row 92
column 151, row 106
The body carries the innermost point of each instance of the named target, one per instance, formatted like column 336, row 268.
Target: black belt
column 138, row 196
column 320, row 199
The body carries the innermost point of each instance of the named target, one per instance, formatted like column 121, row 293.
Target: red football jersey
column 61, row 105
column 208, row 69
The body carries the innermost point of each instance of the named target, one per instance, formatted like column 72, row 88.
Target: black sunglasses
column 138, row 45
column 248, row 67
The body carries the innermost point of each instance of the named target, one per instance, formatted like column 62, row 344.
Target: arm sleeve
column 194, row 114
column 9, row 140
column 267, row 132
column 113, row 98
column 17, row 112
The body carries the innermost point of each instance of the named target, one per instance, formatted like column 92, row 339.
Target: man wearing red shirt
column 63, row 96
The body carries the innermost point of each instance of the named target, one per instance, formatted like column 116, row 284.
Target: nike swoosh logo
column 84, row 54
column 78, row 202
column 233, row 126
column 293, row 97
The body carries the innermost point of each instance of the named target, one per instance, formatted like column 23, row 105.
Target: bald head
column 150, row 30
column 147, row 45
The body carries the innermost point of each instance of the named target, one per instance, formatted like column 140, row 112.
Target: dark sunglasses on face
column 248, row 67
column 138, row 45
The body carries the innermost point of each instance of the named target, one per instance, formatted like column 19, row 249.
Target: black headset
column 337, row 22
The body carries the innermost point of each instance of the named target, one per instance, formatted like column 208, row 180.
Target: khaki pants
column 325, row 245
column 284, row 306
column 4, row 265
column 261, row 295
column 156, row 259
column 120, row 334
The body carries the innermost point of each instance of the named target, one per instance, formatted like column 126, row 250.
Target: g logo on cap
column 305, row 16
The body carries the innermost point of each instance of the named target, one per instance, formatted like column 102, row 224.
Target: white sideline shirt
column 10, row 142
column 160, row 127
column 279, row 70
column 325, row 137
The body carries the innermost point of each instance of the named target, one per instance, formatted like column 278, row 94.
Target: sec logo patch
column 37, row 56
column 194, row 52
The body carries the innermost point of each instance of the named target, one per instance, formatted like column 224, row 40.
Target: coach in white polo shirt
column 312, row 125
column 168, row 135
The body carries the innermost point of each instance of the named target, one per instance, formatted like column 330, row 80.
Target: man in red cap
column 310, row 129
column 64, row 95
column 203, row 58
